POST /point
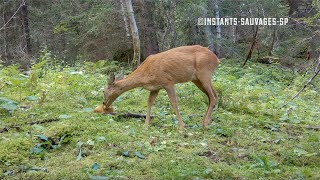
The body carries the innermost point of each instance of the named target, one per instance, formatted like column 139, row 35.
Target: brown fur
column 162, row 71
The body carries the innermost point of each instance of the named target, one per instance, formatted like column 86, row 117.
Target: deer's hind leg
column 204, row 84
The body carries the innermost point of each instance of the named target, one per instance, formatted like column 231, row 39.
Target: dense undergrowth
column 48, row 130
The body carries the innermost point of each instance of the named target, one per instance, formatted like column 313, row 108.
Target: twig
column 22, row 4
column 43, row 121
column 132, row 115
column 253, row 43
column 129, row 115
column 17, row 127
column 6, row 129
column 310, row 80
column 316, row 128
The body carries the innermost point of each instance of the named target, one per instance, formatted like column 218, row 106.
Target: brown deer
column 163, row 71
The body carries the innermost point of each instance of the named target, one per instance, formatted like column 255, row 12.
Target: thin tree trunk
column 4, row 36
column 124, row 16
column 26, row 33
column 218, row 28
column 135, row 34
column 147, row 29
column 173, row 24
column 234, row 34
column 272, row 42
column 254, row 41
column 24, row 13
column 207, row 28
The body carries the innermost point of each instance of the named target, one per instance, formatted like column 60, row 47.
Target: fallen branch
column 316, row 128
column 310, row 80
column 132, row 115
column 6, row 129
column 18, row 127
column 309, row 127
column 129, row 115
column 43, row 121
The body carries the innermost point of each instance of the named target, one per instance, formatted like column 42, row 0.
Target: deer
column 162, row 71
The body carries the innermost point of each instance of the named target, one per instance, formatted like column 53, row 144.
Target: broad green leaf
column 90, row 142
column 38, row 127
column 92, row 177
column 87, row 110
column 101, row 139
column 42, row 137
column 95, row 166
column 300, row 152
column 9, row 106
column 36, row 150
column 125, row 153
column 79, row 149
column 32, row 98
column 139, row 155
column 64, row 116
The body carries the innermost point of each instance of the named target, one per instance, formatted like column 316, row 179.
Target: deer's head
column 111, row 92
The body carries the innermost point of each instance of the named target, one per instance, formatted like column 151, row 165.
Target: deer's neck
column 127, row 84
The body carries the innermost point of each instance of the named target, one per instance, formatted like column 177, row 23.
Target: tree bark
column 254, row 41
column 148, row 37
column 173, row 24
column 135, row 34
column 26, row 34
column 272, row 41
column 207, row 28
column 4, row 37
column 124, row 16
column 26, row 29
column 218, row 28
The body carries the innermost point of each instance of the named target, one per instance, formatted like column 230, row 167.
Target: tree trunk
column 272, row 41
column 26, row 30
column 218, row 28
column 4, row 37
column 124, row 16
column 147, row 29
column 234, row 34
column 26, row 33
column 254, row 41
column 207, row 28
column 173, row 13
column 135, row 34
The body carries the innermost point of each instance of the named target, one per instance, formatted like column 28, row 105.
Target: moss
column 247, row 127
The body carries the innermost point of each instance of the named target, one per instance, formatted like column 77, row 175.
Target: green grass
column 250, row 138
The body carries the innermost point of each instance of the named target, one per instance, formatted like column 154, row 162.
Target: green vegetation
column 251, row 137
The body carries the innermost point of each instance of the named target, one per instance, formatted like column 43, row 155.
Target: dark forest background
column 84, row 30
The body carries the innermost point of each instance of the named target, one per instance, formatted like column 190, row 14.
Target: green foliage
column 7, row 104
column 250, row 137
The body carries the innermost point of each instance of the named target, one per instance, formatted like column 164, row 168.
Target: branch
column 129, row 115
column 132, row 115
column 310, row 80
column 22, row 4
column 43, row 121
column 18, row 127
column 254, row 41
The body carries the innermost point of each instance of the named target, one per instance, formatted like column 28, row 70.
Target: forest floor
column 48, row 129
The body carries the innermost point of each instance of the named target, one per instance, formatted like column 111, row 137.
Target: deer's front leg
column 151, row 99
column 173, row 99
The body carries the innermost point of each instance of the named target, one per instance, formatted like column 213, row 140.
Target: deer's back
column 177, row 65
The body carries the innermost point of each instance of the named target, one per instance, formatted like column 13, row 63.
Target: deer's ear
column 111, row 78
